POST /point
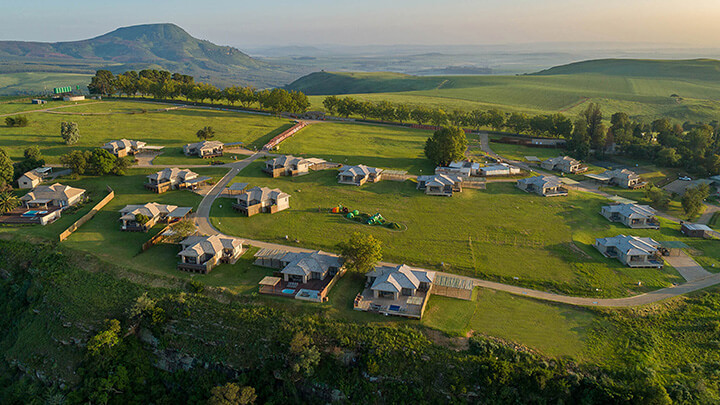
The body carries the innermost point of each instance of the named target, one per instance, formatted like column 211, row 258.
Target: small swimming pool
column 288, row 291
column 394, row 308
column 33, row 213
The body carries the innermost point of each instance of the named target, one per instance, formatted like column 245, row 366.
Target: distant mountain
column 699, row 69
column 158, row 46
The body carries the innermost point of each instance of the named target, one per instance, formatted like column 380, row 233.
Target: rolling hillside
column 617, row 85
column 696, row 69
column 164, row 46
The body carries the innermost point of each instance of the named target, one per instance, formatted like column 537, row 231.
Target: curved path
column 202, row 221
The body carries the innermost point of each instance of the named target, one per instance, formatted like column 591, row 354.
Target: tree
column 692, row 200
column 17, row 121
column 121, row 165
column 142, row 219
column 101, row 162
column 520, row 122
column 205, row 133
column 579, row 144
column 402, row 112
column 438, row 117
column 446, row 145
column 33, row 152
column 8, row 202
column 232, row 394
column 102, row 83
column 77, row 161
column 658, row 198
column 495, row 119
column 421, row 114
column 668, row 157
column 105, row 339
column 591, row 118
column 361, row 252
column 331, row 103
column 33, row 160
column 7, row 171
column 69, row 132
column 621, row 128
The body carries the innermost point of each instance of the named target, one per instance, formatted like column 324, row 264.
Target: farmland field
column 499, row 233
column 644, row 98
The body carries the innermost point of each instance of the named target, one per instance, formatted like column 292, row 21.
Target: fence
column 155, row 239
column 453, row 287
column 285, row 135
column 80, row 222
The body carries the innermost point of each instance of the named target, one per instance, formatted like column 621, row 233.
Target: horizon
column 453, row 23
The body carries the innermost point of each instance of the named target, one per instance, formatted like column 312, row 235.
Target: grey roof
column 237, row 186
column 499, row 167
column 262, row 194
column 631, row 210
column 440, row 180
column 56, row 191
column 560, row 159
column 618, row 174
column 173, row 174
column 302, row 264
column 204, row 145
column 152, row 210
column 121, row 144
column 196, row 246
column 394, row 279
column 287, row 161
column 359, row 170
column 464, row 164
column 630, row 245
column 542, row 181
column 697, row 227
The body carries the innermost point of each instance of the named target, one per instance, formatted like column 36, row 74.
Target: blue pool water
column 394, row 308
column 288, row 291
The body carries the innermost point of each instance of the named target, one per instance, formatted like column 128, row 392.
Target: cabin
column 173, row 178
column 631, row 215
column 204, row 149
column 56, row 195
column 698, row 231
column 29, row 180
column 287, row 165
column 500, row 169
column 464, row 168
column 633, row 251
column 140, row 218
column 546, row 186
column 563, row 164
column 200, row 254
column 396, row 290
column 262, row 199
column 619, row 177
column 440, row 184
column 359, row 175
column 124, row 147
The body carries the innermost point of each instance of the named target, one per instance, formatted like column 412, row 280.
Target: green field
column 171, row 129
column 40, row 82
column 381, row 146
column 498, row 233
column 645, row 98
column 555, row 330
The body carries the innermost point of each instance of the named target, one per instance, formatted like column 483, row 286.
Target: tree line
column 551, row 125
column 161, row 84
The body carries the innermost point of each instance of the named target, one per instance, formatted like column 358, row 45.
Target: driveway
column 687, row 267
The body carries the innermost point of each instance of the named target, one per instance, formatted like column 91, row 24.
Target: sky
column 255, row 23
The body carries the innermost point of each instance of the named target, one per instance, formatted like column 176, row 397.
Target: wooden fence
column 80, row 222
column 155, row 239
column 285, row 135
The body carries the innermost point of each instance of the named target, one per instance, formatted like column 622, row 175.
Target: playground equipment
column 339, row 209
column 356, row 212
column 376, row 219
column 350, row 215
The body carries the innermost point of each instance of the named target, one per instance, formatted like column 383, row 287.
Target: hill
column 697, row 69
column 355, row 82
column 164, row 46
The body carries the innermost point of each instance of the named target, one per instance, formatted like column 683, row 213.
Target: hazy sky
column 362, row 22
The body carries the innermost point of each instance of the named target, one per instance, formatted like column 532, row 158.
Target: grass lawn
column 372, row 145
column 499, row 233
column 172, row 129
column 555, row 330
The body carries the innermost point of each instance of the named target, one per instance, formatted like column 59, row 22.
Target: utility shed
column 673, row 247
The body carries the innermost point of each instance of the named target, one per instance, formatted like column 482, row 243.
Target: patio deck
column 411, row 307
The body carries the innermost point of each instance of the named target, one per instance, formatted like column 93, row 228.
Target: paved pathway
column 698, row 278
column 687, row 267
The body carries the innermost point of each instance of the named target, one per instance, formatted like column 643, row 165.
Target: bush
column 18, row 121
column 195, row 286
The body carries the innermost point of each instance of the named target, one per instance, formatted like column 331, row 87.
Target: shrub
column 18, row 121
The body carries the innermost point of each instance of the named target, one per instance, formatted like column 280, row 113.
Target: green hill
column 355, row 82
column 150, row 46
column 696, row 69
